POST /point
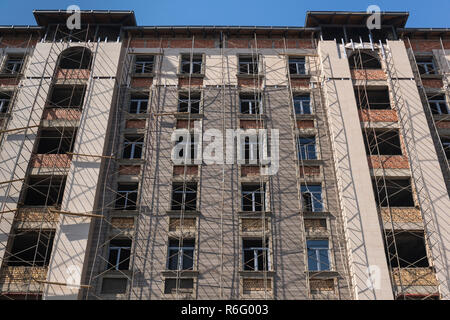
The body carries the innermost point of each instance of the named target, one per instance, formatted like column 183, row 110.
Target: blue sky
column 423, row 13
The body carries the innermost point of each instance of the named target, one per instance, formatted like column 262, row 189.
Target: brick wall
column 388, row 162
column 378, row 115
column 75, row 74
column 50, row 161
column 61, row 114
column 368, row 74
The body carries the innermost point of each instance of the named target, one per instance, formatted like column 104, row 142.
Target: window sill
column 244, row 116
column 300, row 76
column 305, row 116
column 191, row 75
column 310, row 162
column 142, row 75
column 432, row 76
column 136, row 116
column 181, row 273
column 256, row 274
column 130, row 161
column 249, row 76
column 10, row 75
column 313, row 214
column 329, row 274
column 440, row 117
column 187, row 115
column 254, row 213
column 186, row 214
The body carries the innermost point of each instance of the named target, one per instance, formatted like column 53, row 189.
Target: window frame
column 437, row 103
column 139, row 109
column 246, row 64
column 134, row 145
column 180, row 254
column 254, row 204
column 310, row 154
column 426, row 65
column 254, row 104
column 190, row 101
column 319, row 264
column 296, row 61
column 302, row 99
column 118, row 261
column 19, row 61
column 317, row 202
column 183, row 205
column 124, row 194
column 256, row 250
column 197, row 60
column 143, row 64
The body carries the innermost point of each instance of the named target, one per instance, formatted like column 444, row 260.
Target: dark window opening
column 13, row 64
column 446, row 145
column 382, row 142
column 191, row 64
column 67, row 97
column 5, row 100
column 256, row 254
column 138, row 103
column 132, row 147
column 411, row 250
column 47, row 191
column 31, row 248
column 53, row 141
column 438, row 104
column 191, row 147
column 426, row 65
column 184, row 197
column 297, row 66
column 126, row 196
column 356, row 34
column 172, row 286
column 119, row 254
column 399, row 193
column 250, row 103
column 75, row 58
column 181, row 254
column 114, row 285
column 253, row 197
column 189, row 102
column 372, row 99
column 144, row 64
column 361, row 60
column 248, row 65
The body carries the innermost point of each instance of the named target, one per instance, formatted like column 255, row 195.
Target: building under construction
column 94, row 207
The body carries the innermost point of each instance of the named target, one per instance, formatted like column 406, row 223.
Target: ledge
column 192, row 75
column 10, row 75
column 300, row 76
column 142, row 75
column 323, row 274
column 432, row 76
column 243, row 116
column 186, row 214
column 180, row 273
column 316, row 162
column 312, row 214
column 254, row 213
column 256, row 274
column 188, row 116
column 249, row 76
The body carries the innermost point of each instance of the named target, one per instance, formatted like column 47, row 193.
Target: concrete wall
column 363, row 232
column 426, row 172
column 72, row 234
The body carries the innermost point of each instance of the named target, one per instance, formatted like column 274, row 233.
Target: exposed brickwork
column 50, row 161
column 443, row 124
column 61, row 114
column 368, row 74
column 141, row 82
column 190, row 170
column 254, row 225
column 36, row 215
column 422, row 45
column 20, row 274
column 432, row 83
column 269, row 43
column 129, row 170
column 135, row 124
column 378, row 115
column 305, row 123
column 250, row 285
column 194, row 82
column 388, row 162
column 9, row 82
column 321, row 285
column 250, row 171
column 249, row 82
column 251, row 124
column 415, row 276
column 315, row 224
column 17, row 42
column 404, row 215
column 122, row 223
column 309, row 171
column 300, row 83
column 75, row 74
column 188, row 224
column 184, row 124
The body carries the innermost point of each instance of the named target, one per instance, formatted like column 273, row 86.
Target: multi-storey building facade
column 94, row 206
